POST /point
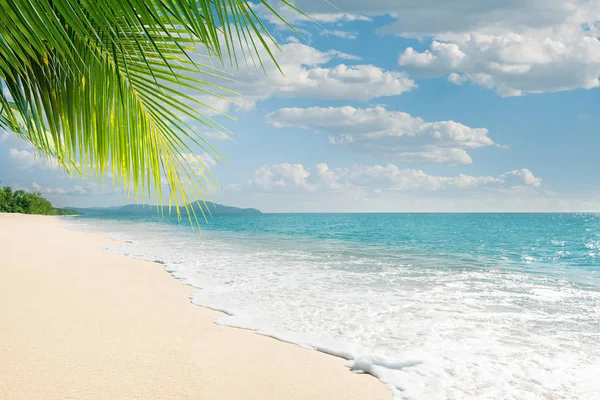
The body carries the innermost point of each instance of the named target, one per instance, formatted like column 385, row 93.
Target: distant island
column 22, row 202
column 138, row 209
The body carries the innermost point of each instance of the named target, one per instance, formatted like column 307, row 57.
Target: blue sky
column 401, row 106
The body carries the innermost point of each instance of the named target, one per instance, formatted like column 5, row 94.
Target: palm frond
column 109, row 86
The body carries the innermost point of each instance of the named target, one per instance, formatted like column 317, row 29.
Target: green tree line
column 20, row 201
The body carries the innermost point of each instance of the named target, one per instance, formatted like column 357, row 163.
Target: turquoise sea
column 437, row 306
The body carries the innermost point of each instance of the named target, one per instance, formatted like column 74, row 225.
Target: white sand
column 79, row 323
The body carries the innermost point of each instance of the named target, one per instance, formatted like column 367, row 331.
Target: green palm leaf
column 108, row 87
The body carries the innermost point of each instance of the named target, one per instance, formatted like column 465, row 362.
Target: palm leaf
column 107, row 87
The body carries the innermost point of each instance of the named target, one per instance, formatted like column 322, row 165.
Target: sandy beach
column 79, row 323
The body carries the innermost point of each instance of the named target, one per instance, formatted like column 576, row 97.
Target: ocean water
column 437, row 306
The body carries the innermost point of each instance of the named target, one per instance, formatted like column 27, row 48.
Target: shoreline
column 125, row 328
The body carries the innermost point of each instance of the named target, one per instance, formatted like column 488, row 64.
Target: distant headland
column 212, row 208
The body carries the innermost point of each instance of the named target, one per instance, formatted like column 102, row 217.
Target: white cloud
column 418, row 18
column 340, row 34
column 329, row 15
column 305, row 73
column 440, row 56
column 380, row 178
column 512, row 63
column 305, row 76
column 521, row 176
column 344, row 56
column 392, row 134
column 28, row 159
column 512, row 47
column 282, row 176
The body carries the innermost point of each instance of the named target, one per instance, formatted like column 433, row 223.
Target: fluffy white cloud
column 27, row 159
column 378, row 178
column 304, row 76
column 340, row 34
column 282, row 176
column 513, row 47
column 305, row 73
column 441, row 56
column 418, row 18
column 512, row 63
column 392, row 134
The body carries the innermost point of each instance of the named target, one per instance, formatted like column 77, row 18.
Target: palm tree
column 111, row 87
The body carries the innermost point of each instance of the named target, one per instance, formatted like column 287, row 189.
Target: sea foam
column 429, row 327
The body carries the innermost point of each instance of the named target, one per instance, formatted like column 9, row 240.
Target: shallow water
column 438, row 306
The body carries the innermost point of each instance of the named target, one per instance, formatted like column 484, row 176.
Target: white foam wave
column 427, row 331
